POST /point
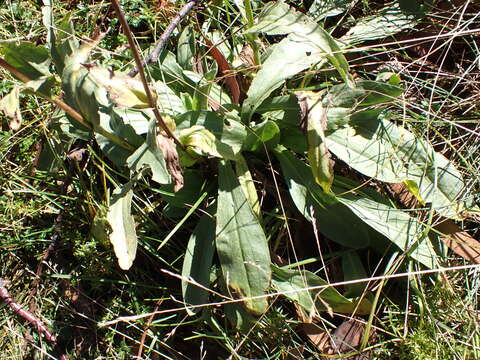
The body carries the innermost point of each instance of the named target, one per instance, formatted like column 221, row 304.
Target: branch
column 138, row 61
column 153, row 57
column 27, row 315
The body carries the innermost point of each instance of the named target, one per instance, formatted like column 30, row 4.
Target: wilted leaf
column 123, row 236
column 170, row 154
column 10, row 105
column 197, row 263
column 315, row 116
column 460, row 242
column 346, row 339
column 241, row 244
column 122, row 90
column 225, row 70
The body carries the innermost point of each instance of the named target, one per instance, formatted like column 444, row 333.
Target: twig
column 144, row 335
column 27, row 315
column 153, row 57
column 138, row 61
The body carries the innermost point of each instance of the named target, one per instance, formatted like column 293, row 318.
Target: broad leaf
column 307, row 44
column 267, row 133
column 202, row 142
column 314, row 204
column 388, row 21
column 31, row 60
column 231, row 132
column 197, row 263
column 148, row 154
column 294, row 285
column 385, row 151
column 241, row 244
column 321, row 9
column 123, row 236
column 353, row 270
column 186, row 48
column 248, row 187
column 406, row 232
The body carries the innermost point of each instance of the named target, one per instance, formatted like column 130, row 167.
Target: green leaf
column 241, row 244
column 202, row 142
column 228, row 132
column 321, row 9
column 167, row 101
column 315, row 115
column 388, row 152
column 32, row 60
column 10, row 105
column 294, row 285
column 353, row 270
column 123, row 236
column 307, row 44
column 388, row 21
column 186, row 48
column 267, row 133
column 150, row 155
column 198, row 262
column 406, row 232
column 330, row 215
column 248, row 187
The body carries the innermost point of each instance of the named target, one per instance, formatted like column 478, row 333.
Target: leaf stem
column 67, row 108
column 252, row 37
column 138, row 62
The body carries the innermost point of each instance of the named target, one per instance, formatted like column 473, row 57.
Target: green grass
column 81, row 286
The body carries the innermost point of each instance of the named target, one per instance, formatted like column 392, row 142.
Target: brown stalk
column 138, row 61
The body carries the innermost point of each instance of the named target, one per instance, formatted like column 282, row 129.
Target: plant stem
column 153, row 57
column 138, row 61
column 67, row 108
column 251, row 37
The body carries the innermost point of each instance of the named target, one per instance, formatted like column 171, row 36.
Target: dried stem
column 138, row 61
column 27, row 315
column 153, row 57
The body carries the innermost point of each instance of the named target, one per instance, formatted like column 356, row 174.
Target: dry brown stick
column 153, row 57
column 27, row 315
column 144, row 335
column 138, row 61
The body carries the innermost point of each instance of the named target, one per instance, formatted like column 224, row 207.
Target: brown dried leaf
column 317, row 336
column 225, row 70
column 347, row 337
column 246, row 55
column 460, row 242
column 167, row 145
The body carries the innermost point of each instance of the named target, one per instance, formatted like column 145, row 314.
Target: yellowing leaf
column 123, row 90
column 10, row 105
column 319, row 158
column 123, row 236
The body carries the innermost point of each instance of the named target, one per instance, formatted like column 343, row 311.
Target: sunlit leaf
column 123, row 235
column 241, row 244
column 10, row 105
